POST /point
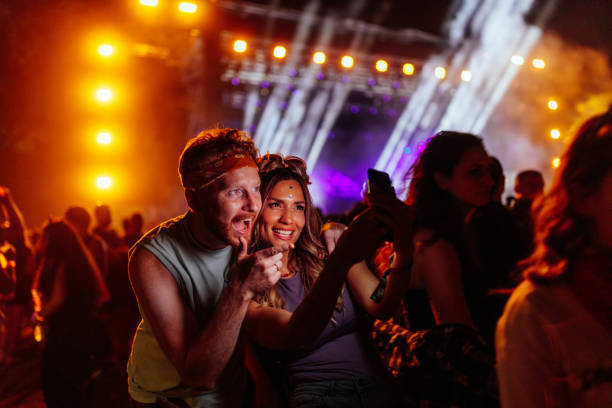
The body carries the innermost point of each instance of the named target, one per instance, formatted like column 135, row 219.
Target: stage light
column 538, row 63
column 104, row 94
column 187, row 7
column 318, row 57
column 149, row 3
column 279, row 52
column 240, row 46
column 104, row 138
column 555, row 134
column 552, row 104
column 517, row 60
column 440, row 72
column 104, row 182
column 382, row 65
column 556, row 162
column 347, row 61
column 466, row 75
column 105, row 50
column 408, row 69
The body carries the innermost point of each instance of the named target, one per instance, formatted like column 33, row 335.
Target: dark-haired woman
column 307, row 321
column 70, row 289
column 554, row 340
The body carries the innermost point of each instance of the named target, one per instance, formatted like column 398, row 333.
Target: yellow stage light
column 408, row 69
column 279, row 52
column 240, row 46
column 187, row 7
column 382, row 65
column 104, row 182
column 318, row 57
column 105, row 50
column 347, row 61
column 552, row 104
column 149, row 3
column 104, row 94
column 538, row 63
column 556, row 162
column 104, row 138
column 517, row 60
column 555, row 134
column 466, row 75
column 440, row 72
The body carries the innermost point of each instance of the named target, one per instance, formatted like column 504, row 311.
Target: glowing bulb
column 466, row 75
column 279, row 52
column 186, row 7
column 318, row 57
column 105, row 50
column 552, row 104
column 382, row 66
column 517, row 60
column 538, row 63
column 408, row 69
column 347, row 61
column 240, row 46
column 104, row 182
column 104, row 138
column 555, row 134
column 149, row 3
column 556, row 162
column 104, row 95
column 440, row 72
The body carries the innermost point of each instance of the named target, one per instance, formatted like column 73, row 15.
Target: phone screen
column 380, row 179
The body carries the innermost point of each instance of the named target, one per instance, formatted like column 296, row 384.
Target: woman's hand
column 364, row 234
column 402, row 218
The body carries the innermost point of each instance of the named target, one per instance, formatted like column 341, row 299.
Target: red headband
column 198, row 179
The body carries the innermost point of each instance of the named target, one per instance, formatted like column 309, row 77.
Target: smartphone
column 380, row 180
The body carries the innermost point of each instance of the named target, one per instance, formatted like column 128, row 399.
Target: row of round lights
column 346, row 61
column 183, row 6
column 104, row 95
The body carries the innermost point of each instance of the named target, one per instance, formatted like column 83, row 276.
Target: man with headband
column 187, row 350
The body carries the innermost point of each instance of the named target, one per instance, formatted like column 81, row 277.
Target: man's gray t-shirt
column 201, row 276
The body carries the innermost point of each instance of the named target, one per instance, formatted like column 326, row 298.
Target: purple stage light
column 354, row 109
column 346, row 78
column 396, row 85
column 371, row 82
column 265, row 84
column 373, row 110
column 403, row 100
column 320, row 76
column 235, row 81
column 252, row 128
column 293, row 73
column 386, row 98
column 392, row 112
column 283, row 105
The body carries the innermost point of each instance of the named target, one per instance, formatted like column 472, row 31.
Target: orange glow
column 186, row 7
column 105, row 50
column 466, row 75
column 104, row 182
column 104, row 138
column 279, row 52
column 347, row 61
column 382, row 66
column 149, row 3
column 517, row 60
column 538, row 63
column 408, row 69
column 440, row 73
column 552, row 104
column 104, row 94
column 318, row 57
column 556, row 162
column 555, row 134
column 240, row 46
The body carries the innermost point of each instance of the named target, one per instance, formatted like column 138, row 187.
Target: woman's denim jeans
column 358, row 392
